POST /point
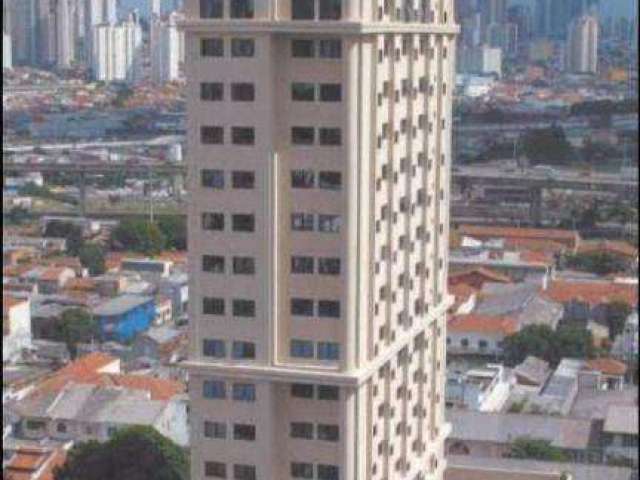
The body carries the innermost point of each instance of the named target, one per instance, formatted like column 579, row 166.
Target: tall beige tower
column 320, row 152
column 582, row 45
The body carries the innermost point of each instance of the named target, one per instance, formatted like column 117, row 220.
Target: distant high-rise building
column 117, row 51
column 7, row 58
column 320, row 151
column 97, row 12
column 23, row 29
column 67, row 32
column 482, row 60
column 167, row 48
column 582, row 45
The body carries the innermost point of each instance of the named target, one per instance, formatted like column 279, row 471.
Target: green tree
column 69, row 231
column 91, row 256
column 138, row 235
column 135, row 453
column 547, row 146
column 543, row 342
column 75, row 326
column 600, row 263
column 174, row 228
column 617, row 313
column 17, row 215
column 531, row 448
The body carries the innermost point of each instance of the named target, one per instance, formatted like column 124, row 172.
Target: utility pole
column 150, row 191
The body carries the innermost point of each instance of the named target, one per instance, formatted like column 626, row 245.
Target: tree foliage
column 617, row 313
column 69, row 231
column 543, row 342
column 547, row 146
column 600, row 263
column 92, row 256
column 75, row 326
column 136, row 453
column 138, row 235
column 174, row 228
column 531, row 448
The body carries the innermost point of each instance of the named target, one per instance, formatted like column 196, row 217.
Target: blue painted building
column 122, row 318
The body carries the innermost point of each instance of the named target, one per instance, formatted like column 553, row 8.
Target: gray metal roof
column 120, row 305
column 622, row 419
column 534, row 369
column 506, row 427
column 163, row 334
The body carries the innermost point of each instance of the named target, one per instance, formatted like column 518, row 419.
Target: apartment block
column 319, row 139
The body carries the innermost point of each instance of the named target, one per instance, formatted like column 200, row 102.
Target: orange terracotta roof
column 610, row 246
column 538, row 233
column 485, row 272
column 85, row 284
column 16, row 270
column 608, row 366
column 86, row 366
column 532, row 256
column 30, row 463
column 534, row 244
column 159, row 389
column 482, row 324
column 593, row 293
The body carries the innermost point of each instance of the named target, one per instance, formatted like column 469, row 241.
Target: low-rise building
column 123, row 317
column 481, row 389
column 160, row 344
column 478, row 334
column 16, row 327
column 147, row 267
column 620, row 433
column 532, row 372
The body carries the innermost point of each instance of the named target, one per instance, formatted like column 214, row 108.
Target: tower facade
column 319, row 136
column 582, row 45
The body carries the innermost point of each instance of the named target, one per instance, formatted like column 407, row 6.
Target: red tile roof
column 462, row 291
column 608, row 366
column 491, row 275
column 534, row 244
column 31, row 463
column 53, row 273
column 482, row 324
column 593, row 293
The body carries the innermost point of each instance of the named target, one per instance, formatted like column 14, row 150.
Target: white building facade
column 582, row 45
column 320, row 149
column 167, row 49
column 117, row 51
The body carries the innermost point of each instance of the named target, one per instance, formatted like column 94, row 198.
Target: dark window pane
column 211, row 91
column 328, row 351
column 301, row 430
column 242, row 92
column 329, row 308
column 302, row 222
column 244, row 472
column 214, row 348
column 214, row 389
column 330, row 48
column 301, row 349
column 212, row 221
column 302, row 390
column 303, row 92
column 212, row 47
column 330, row 92
column 329, row 266
column 244, row 265
column 215, row 429
column 241, row 9
column 301, row 470
column 330, row 136
column 328, row 472
column 243, row 223
column 212, row 178
column 302, row 135
column 212, row 264
column 328, row 392
column 244, row 350
column 242, row 47
column 330, row 180
column 329, row 433
column 242, row 179
column 211, row 8
column 243, row 135
column 244, row 392
column 301, row 264
column 244, row 432
column 211, row 135
column 215, row 470
column 213, row 306
column 302, row 49
column 244, row 308
column 302, row 9
column 330, row 9
column 302, row 179
column 329, row 223
column 302, row 307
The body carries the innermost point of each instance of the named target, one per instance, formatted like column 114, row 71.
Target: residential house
column 621, row 250
column 176, row 287
column 620, row 433
column 160, row 344
column 481, row 434
column 478, row 334
column 604, row 374
column 588, row 300
column 532, row 372
column 476, row 277
column 481, row 389
column 559, row 393
column 16, row 327
column 147, row 267
column 569, row 239
column 625, row 345
column 51, row 280
column 164, row 313
column 465, row 298
column 123, row 317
